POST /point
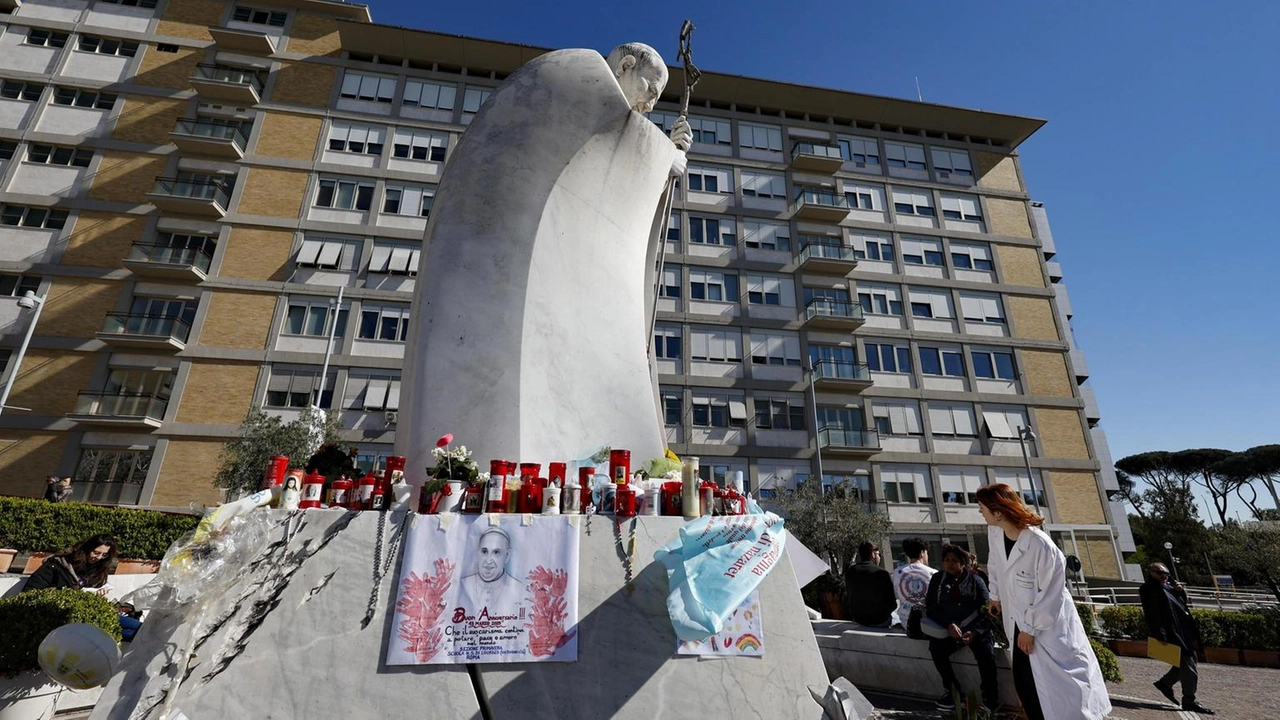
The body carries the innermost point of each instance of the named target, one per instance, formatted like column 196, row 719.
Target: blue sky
column 1158, row 166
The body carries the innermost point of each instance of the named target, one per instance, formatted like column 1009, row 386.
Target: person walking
column 868, row 589
column 1054, row 670
column 1168, row 613
column 954, row 601
column 910, row 583
column 57, row 489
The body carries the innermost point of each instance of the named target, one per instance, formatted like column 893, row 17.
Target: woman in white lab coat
column 1054, row 670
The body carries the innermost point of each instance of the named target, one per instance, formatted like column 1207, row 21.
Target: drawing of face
column 494, row 550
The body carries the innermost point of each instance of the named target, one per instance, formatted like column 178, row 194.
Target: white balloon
column 79, row 656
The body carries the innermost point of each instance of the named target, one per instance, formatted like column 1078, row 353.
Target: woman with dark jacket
column 955, row 603
column 84, row 567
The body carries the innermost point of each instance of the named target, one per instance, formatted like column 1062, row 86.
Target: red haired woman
column 1054, row 670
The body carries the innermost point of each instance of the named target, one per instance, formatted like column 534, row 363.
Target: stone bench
column 889, row 661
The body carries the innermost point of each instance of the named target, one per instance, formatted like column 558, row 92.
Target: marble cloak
column 534, row 297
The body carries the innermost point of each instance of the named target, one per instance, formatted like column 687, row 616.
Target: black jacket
column 54, row 573
column 868, row 593
column 1168, row 615
column 966, row 602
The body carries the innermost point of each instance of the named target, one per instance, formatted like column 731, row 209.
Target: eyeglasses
column 1161, row 573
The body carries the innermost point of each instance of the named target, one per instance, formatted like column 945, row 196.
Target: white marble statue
column 532, row 308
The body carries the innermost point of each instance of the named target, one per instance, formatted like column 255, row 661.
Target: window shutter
column 393, row 395
column 963, row 417
column 941, row 420
column 400, row 260
column 330, row 254
column 375, row 396
column 309, row 252
column 997, row 425
column 381, row 256
column 737, row 410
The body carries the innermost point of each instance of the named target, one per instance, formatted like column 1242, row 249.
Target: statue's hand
column 681, row 135
column 679, row 163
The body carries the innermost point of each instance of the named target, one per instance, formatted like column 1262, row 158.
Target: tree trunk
column 1271, row 583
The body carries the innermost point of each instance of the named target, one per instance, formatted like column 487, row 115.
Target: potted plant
column 454, row 471
column 25, row 692
column 6, row 558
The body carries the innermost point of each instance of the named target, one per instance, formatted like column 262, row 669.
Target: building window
column 1004, row 423
column 473, row 99
column 716, row 345
column 273, row 18
column 372, row 88
column 420, row 93
column 18, row 285
column 897, row 417
column 960, row 484
column 359, row 139
column 14, row 90
column 667, row 341
column 906, row 483
column 711, row 231
column 763, row 185
column 771, row 290
column 775, row 348
column 670, row 282
column 930, row 303
column 390, row 323
column 32, row 217
column 291, row 387
column 993, row 364
column 327, row 254
column 766, row 235
column 372, row 391
column 971, row 257
column 903, row 155
column 888, row 357
column 713, row 285
column 718, row 409
column 952, row 419
column 780, row 413
column 58, row 155
column 921, row 251
column 672, row 406
column 673, row 228
column 81, row 98
column 394, row 259
column 840, row 358
column 407, row 200
column 702, row 178
column 709, row 131
column 951, row 162
column 961, row 207
column 419, row 145
column 664, row 120
column 863, row 151
column 981, row 308
column 760, row 137
column 830, row 295
column 133, row 3
column 165, row 47
column 872, row 247
column 344, row 195
column 312, row 320
column 107, row 46
column 833, row 418
column 1017, row 479
column 50, row 38
column 864, row 197
column 913, row 202
column 880, row 299
column 943, row 361
column 111, row 476
column 7, row 149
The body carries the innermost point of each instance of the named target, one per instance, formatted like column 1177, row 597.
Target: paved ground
column 1234, row 693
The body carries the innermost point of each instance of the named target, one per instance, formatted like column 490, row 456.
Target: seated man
column 910, row 583
column 954, row 602
column 868, row 589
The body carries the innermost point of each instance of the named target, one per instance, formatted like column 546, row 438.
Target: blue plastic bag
column 714, row 565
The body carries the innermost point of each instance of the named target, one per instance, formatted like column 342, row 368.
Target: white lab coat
column 1032, row 589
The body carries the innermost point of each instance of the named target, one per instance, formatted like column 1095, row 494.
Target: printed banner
column 742, row 634
column 487, row 589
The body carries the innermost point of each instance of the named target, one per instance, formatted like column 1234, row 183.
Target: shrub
column 28, row 617
column 39, row 526
column 1107, row 661
column 1124, row 621
column 1217, row 628
column 1211, row 626
column 1085, row 612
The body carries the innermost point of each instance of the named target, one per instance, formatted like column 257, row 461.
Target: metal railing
column 824, row 307
column 839, row 437
column 215, row 190
column 169, row 255
column 214, row 129
column 805, row 147
column 821, row 198
column 1200, row 597
column 826, row 251
column 228, row 74
column 121, row 405
column 143, row 326
column 837, row 370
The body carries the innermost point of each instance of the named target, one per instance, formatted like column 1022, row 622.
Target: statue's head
column 640, row 73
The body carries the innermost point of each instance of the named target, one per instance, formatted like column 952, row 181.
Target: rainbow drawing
column 748, row 642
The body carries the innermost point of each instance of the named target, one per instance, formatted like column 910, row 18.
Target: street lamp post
column 817, row 437
column 26, row 302
column 1025, row 435
column 1173, row 561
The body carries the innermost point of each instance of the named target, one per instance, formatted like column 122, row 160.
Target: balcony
column 826, row 257
column 817, row 157
column 207, row 198
column 152, row 332
column 246, row 42
column 223, row 83
column 820, row 205
column 836, row 375
column 218, row 138
column 167, row 262
column 135, row 410
column 833, row 314
column 842, row 441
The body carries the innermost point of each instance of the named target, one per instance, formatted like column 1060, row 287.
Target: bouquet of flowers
column 452, row 464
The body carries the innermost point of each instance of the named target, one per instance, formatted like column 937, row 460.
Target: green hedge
column 1218, row 628
column 1107, row 661
column 41, row 526
column 28, row 617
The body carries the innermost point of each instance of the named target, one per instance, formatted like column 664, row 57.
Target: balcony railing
column 837, row 370
column 213, row 130
column 819, row 149
column 833, row 309
column 183, row 189
column 230, row 75
column 138, row 407
column 827, row 255
column 817, row 204
column 806, row 155
column 846, row 439
column 160, row 254
column 146, row 326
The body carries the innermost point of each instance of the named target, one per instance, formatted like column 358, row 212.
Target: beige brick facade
column 1031, row 317
column 1020, row 265
column 238, row 320
column 168, row 70
column 77, row 308
column 302, row 83
column 187, row 474
column 1046, row 373
column 190, row 18
column 998, row 172
column 1008, row 217
column 288, row 136
column 1076, row 497
column 49, row 381
column 314, row 34
column 27, row 458
column 256, row 253
column 1098, row 558
column 274, row 193
column 126, row 177
column 102, row 239
column 217, row 392
column 148, row 120
column 1061, row 433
